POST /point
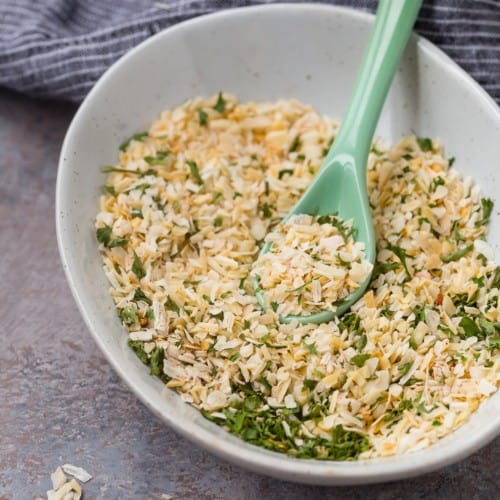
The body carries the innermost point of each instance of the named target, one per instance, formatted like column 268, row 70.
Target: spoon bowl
column 335, row 190
column 340, row 186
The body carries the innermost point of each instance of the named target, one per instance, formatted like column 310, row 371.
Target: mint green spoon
column 340, row 185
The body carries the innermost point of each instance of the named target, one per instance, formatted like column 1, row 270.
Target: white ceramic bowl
column 310, row 52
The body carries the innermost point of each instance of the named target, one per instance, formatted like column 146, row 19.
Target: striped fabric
column 59, row 48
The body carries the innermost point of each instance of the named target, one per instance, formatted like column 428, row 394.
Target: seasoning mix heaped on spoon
column 313, row 264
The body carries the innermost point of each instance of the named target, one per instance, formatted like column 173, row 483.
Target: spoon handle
column 388, row 39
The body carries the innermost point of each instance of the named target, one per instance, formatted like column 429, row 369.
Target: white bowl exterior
column 309, row 52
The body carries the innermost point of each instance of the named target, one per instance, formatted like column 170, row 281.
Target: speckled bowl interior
column 310, row 52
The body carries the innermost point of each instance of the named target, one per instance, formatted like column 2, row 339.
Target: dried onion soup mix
column 182, row 218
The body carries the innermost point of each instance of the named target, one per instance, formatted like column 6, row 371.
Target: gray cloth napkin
column 59, row 48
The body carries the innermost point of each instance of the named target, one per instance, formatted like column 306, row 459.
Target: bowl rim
column 251, row 457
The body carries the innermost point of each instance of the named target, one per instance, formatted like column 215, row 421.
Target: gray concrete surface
column 61, row 402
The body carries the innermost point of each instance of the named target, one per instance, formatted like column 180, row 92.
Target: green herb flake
column 488, row 327
column 140, row 187
column 411, row 381
column 299, row 288
column 451, row 161
column 479, row 281
column 328, row 146
column 487, row 208
column 383, row 267
column 437, row 423
column 395, row 414
column 454, row 230
column 310, row 347
column 202, row 116
column 138, row 348
column 171, row 305
column 103, row 235
column 267, row 210
column 451, row 257
column 195, row 173
column 405, row 368
column 438, row 181
column 309, row 384
column 107, row 169
column 156, row 361
column 424, row 143
column 341, row 262
column 129, row 316
column 419, row 313
column 265, row 383
column 218, row 221
column 136, row 212
column 401, row 254
column 285, row 171
column 159, row 159
column 350, row 322
column 360, row 359
column 266, row 188
column 361, row 343
column 387, row 313
column 494, row 344
column 295, row 145
column 141, row 173
column 220, row 105
column 136, row 137
column 137, row 267
column 140, row 295
column 118, row 242
column 469, row 327
column 109, row 189
column 495, row 283
column 219, row 316
column 344, row 229
column 265, row 338
column 421, row 220
column 274, row 306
